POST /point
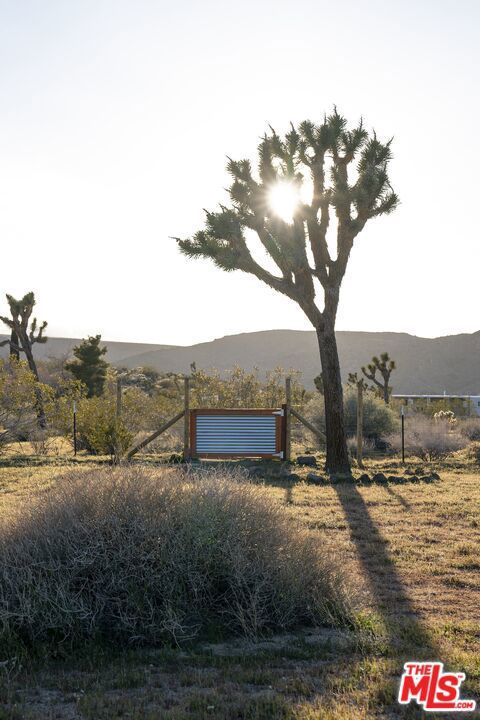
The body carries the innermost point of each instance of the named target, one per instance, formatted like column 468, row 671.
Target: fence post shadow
column 398, row 497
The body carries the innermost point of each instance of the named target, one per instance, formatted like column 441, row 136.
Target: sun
column 285, row 196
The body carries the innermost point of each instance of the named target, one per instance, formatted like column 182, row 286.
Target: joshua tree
column 89, row 366
column 385, row 367
column 355, row 381
column 313, row 160
column 24, row 334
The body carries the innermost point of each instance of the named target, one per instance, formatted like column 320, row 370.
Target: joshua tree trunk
column 337, row 454
column 42, row 419
column 14, row 346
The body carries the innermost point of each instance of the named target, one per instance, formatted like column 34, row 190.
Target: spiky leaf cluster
column 348, row 173
column 23, row 331
column 355, row 381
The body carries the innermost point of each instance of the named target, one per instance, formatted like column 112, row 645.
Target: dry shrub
column 137, row 555
column 379, row 419
column 470, row 428
column 169, row 441
column 427, row 439
column 42, row 443
column 368, row 446
column 473, row 452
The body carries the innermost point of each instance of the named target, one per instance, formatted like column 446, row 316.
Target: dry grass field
column 413, row 550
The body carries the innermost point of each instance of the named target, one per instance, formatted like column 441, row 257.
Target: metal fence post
column 288, row 419
column 119, row 398
column 186, row 419
column 118, row 414
column 360, row 424
column 74, row 428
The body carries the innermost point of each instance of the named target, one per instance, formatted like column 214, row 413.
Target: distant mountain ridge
column 424, row 365
column 63, row 347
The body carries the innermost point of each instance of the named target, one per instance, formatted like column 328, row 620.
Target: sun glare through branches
column 286, row 196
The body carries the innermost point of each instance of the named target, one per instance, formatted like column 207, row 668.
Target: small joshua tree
column 24, row 334
column 355, row 381
column 385, row 366
column 304, row 178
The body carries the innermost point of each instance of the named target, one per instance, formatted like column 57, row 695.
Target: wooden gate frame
column 189, row 438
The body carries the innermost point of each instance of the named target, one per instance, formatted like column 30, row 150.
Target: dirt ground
column 411, row 547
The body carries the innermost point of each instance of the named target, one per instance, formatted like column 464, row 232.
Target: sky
column 116, row 119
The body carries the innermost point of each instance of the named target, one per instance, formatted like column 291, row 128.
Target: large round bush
column 151, row 556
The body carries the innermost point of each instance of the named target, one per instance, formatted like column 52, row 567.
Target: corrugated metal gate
column 230, row 433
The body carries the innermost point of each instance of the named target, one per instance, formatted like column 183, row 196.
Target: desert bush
column 445, row 416
column 368, row 445
column 428, row 439
column 132, row 555
column 470, row 428
column 59, row 409
column 241, row 388
column 379, row 419
column 473, row 452
column 169, row 441
column 99, row 430
column 18, row 401
column 41, row 441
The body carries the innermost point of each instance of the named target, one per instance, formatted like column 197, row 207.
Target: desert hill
column 450, row 363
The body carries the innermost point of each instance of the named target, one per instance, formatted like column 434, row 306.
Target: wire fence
column 408, row 432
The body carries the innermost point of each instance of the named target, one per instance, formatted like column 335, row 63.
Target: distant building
column 471, row 403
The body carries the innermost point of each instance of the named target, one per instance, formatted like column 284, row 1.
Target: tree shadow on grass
column 405, row 630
